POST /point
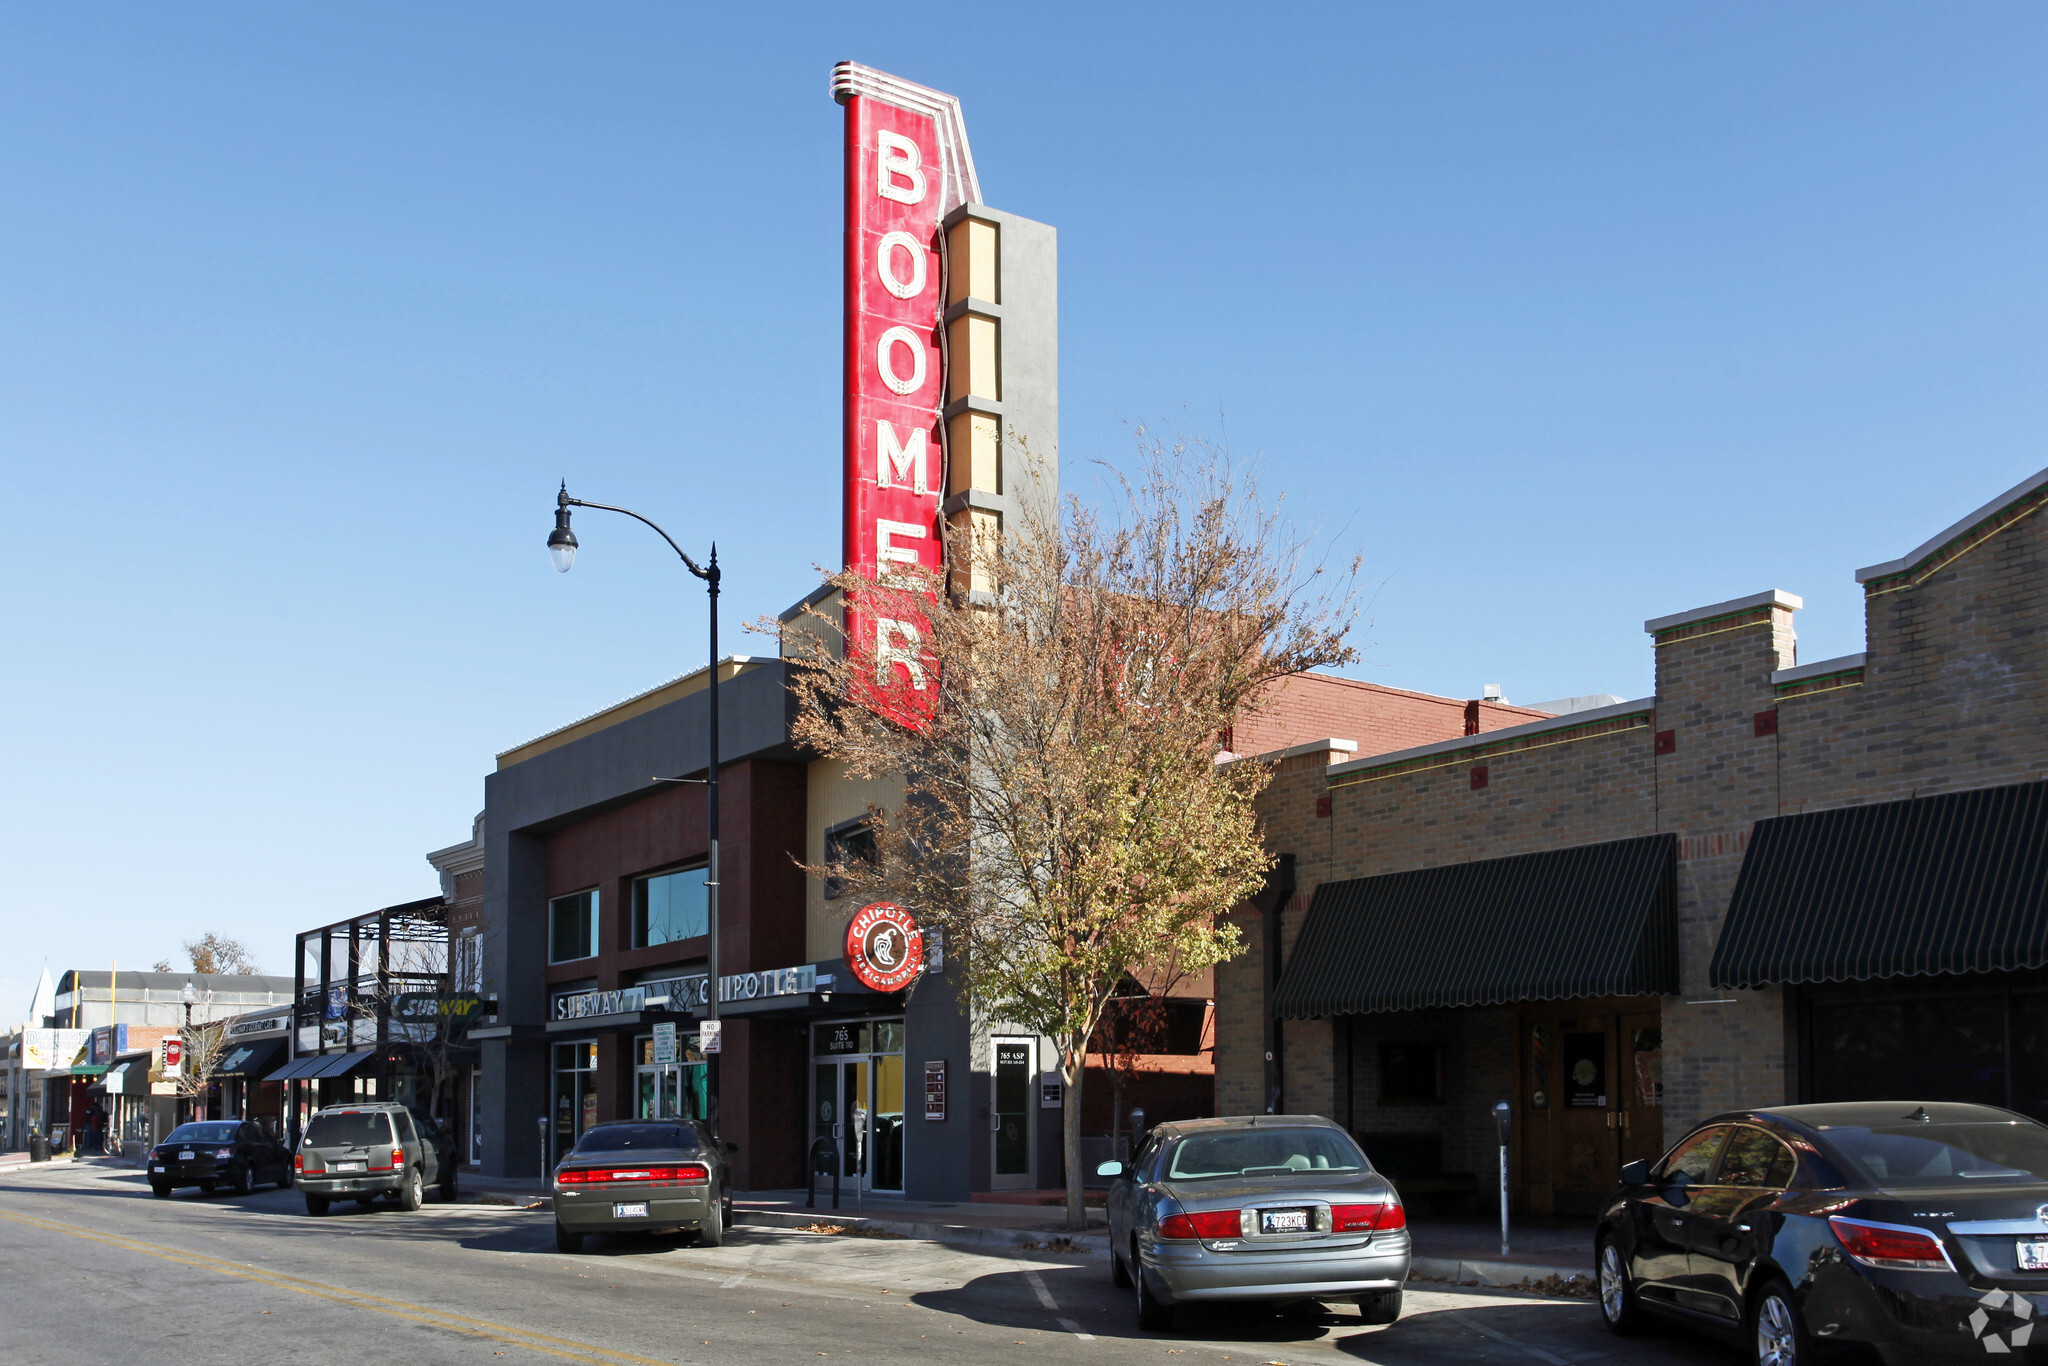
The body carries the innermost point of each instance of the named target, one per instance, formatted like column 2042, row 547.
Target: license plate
column 184, row 1157
column 348, row 1166
column 156, row 1169
column 637, row 1211
column 2034, row 1256
column 1283, row 1221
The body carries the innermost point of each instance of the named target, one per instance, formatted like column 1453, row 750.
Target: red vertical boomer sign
column 906, row 168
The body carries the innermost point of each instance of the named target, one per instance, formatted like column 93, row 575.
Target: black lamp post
column 562, row 550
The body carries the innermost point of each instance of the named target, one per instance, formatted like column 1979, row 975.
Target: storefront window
column 674, row 1091
column 575, row 1094
column 671, row 906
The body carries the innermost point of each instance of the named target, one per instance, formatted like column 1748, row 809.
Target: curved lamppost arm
column 562, row 548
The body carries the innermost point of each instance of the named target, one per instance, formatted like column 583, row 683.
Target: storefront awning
column 298, row 1068
column 127, row 1079
column 250, row 1060
column 1954, row 883
column 338, row 1064
column 1594, row 920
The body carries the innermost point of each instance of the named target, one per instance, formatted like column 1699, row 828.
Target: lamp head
column 562, row 541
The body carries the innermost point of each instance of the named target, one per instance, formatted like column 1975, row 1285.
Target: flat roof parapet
column 1776, row 597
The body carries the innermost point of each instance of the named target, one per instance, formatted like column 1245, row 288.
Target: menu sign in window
column 935, row 1089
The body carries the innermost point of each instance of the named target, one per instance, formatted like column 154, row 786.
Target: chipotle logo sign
column 907, row 167
column 884, row 947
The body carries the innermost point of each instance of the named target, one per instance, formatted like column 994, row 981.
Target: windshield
column 203, row 1133
column 613, row 1138
column 1945, row 1154
column 353, row 1129
column 1264, row 1152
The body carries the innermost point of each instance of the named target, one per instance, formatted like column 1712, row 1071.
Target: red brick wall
column 1321, row 706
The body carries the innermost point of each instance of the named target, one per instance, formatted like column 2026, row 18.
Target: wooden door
column 1591, row 1099
column 1586, row 1143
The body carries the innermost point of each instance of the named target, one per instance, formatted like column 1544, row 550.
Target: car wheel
column 1618, row 1307
column 159, row 1190
column 711, row 1233
column 316, row 1205
column 1154, row 1315
column 566, row 1241
column 1384, row 1307
column 243, row 1181
column 1777, row 1333
column 1119, row 1276
column 413, row 1193
column 725, row 1210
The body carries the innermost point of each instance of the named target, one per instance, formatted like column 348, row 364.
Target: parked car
column 1260, row 1207
column 212, row 1153
column 370, row 1149
column 1917, row 1230
column 644, row 1176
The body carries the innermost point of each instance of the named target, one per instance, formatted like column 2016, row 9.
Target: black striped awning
column 1593, row 920
column 1954, row 883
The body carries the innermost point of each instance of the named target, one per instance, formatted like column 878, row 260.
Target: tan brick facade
column 1950, row 695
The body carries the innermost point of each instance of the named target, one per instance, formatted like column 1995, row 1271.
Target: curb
column 970, row 1234
column 1504, row 1275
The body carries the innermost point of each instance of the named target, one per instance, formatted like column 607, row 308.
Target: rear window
column 613, row 1138
column 362, row 1129
column 1263, row 1152
column 1945, row 1154
column 203, row 1133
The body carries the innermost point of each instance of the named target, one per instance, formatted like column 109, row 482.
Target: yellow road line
column 566, row 1348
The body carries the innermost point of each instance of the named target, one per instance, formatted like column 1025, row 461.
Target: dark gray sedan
column 644, row 1176
column 1259, row 1207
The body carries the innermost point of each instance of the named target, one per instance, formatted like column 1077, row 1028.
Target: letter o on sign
column 885, row 351
column 885, row 264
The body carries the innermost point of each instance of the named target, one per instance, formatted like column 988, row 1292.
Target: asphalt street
column 97, row 1270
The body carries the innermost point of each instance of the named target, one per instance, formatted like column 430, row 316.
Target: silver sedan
column 1258, row 1207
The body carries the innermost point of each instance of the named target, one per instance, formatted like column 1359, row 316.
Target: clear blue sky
column 1566, row 316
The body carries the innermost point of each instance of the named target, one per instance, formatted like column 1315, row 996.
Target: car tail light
column 223, row 1153
column 1381, row 1218
column 690, row 1173
column 1215, row 1223
column 1888, row 1246
column 298, row 1164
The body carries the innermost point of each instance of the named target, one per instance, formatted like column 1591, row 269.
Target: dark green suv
column 369, row 1149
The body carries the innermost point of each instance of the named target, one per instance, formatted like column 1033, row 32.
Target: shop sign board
column 171, row 1056
column 884, row 948
column 108, row 1042
column 935, row 1089
column 264, row 1025
column 907, row 167
column 44, row 1049
column 688, row 993
column 337, row 1002
column 425, row 1007
column 665, row 1044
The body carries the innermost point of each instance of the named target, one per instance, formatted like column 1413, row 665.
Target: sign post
column 1502, row 1119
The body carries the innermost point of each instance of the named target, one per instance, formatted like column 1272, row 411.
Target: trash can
column 38, row 1148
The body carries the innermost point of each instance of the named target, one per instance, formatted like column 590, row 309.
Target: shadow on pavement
column 1007, row 1299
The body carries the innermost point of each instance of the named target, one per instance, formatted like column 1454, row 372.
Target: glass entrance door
column 1010, row 1115
column 675, row 1091
column 857, row 1103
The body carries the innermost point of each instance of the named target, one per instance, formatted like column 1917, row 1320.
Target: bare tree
column 216, row 953
column 205, row 1046
column 1053, row 708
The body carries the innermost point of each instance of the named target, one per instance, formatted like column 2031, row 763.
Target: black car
column 211, row 1153
column 1908, row 1231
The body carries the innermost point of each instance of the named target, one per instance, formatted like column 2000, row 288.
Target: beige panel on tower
column 971, row 248
column 974, row 454
column 973, row 364
column 985, row 528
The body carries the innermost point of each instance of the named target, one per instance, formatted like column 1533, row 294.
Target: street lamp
column 562, row 550
column 190, row 996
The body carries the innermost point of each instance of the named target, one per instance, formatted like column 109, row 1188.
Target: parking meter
column 1503, row 1119
column 1137, row 1130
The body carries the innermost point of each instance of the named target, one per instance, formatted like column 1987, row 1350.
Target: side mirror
column 1636, row 1173
column 732, row 1147
column 1110, row 1169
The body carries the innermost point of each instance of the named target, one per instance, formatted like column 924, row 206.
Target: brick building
column 1770, row 881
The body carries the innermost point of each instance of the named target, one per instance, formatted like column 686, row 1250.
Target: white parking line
column 1045, row 1298
column 1498, row 1336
